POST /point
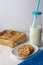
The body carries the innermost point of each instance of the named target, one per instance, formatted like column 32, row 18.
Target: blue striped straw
column 38, row 3
column 35, row 17
column 34, row 21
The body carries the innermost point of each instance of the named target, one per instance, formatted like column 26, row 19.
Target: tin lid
column 36, row 13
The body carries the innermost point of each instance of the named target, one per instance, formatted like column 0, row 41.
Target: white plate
column 14, row 51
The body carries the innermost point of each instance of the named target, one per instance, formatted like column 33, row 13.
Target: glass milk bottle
column 35, row 32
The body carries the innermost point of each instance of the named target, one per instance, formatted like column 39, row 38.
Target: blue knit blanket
column 36, row 59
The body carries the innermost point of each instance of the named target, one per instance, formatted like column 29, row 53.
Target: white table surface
column 6, row 58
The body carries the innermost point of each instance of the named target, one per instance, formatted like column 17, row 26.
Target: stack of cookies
column 25, row 50
column 12, row 38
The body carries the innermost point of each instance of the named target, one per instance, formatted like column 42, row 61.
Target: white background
column 17, row 14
